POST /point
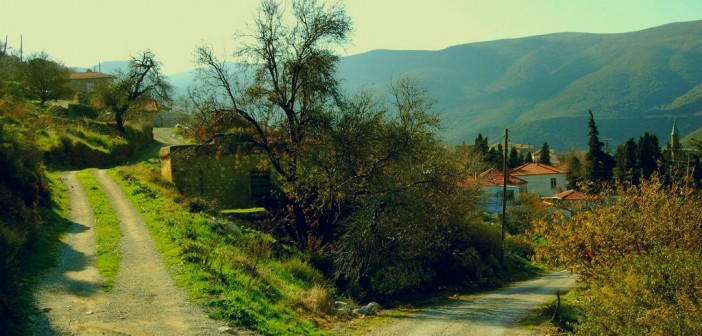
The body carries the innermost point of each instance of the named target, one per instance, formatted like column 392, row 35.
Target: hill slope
column 542, row 86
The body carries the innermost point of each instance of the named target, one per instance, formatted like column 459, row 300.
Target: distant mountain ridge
column 541, row 87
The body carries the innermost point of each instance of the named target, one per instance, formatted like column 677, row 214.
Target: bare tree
column 286, row 85
column 143, row 82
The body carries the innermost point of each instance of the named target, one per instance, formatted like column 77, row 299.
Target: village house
column 228, row 171
column 543, row 180
column 88, row 81
column 491, row 184
column 567, row 202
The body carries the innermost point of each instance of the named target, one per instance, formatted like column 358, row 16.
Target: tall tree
column 44, row 78
column 481, row 145
column 286, row 88
column 545, row 157
column 625, row 159
column 598, row 164
column 514, row 158
column 648, row 154
column 142, row 83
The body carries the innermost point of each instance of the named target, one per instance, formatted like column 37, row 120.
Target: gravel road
column 144, row 300
column 489, row 314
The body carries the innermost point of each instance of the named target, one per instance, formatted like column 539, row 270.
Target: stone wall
column 224, row 173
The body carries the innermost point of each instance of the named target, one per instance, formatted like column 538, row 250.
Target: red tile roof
column 535, row 169
column 491, row 178
column 562, row 166
column 572, row 195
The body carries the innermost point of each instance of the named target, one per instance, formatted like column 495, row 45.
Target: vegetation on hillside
column 365, row 185
column 241, row 275
column 541, row 87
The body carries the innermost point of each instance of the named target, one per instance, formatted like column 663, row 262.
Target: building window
column 510, row 195
column 260, row 185
column 553, row 183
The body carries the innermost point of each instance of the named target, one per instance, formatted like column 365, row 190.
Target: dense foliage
column 636, row 248
column 365, row 184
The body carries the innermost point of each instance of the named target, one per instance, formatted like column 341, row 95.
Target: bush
column 659, row 293
column 23, row 189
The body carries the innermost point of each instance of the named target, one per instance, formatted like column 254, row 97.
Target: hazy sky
column 85, row 32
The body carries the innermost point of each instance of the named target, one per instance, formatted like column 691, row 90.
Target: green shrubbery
column 638, row 254
column 241, row 275
column 29, row 225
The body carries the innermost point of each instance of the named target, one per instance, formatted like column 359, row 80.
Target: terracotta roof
column 572, row 195
column 491, row 178
column 564, row 166
column 88, row 75
column 535, row 169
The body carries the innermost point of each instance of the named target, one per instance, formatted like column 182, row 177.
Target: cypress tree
column 545, row 157
column 598, row 164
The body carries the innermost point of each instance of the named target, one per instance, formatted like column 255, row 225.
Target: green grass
column 241, row 211
column 243, row 277
column 107, row 230
column 543, row 318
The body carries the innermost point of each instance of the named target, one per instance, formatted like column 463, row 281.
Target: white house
column 543, row 180
column 491, row 183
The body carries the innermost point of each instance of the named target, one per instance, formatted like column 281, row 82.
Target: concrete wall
column 216, row 172
column 541, row 184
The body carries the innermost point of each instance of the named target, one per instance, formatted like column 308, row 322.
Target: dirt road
column 144, row 300
column 489, row 314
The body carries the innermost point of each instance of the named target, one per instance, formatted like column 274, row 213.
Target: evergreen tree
column 528, row 158
column 574, row 172
column 514, row 158
column 625, row 159
column 481, row 145
column 598, row 164
column 648, row 154
column 545, row 157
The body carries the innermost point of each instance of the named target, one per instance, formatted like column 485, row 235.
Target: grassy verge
column 241, row 275
column 107, row 230
column 547, row 321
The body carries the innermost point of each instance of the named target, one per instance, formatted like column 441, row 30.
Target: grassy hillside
column 633, row 81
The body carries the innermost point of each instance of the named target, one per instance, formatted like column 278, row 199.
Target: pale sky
column 85, row 32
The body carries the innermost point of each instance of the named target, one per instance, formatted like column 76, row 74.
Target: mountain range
column 541, row 87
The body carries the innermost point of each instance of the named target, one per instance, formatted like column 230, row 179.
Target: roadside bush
column 23, row 189
column 639, row 254
column 659, row 293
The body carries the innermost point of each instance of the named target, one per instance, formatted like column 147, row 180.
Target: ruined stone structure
column 232, row 174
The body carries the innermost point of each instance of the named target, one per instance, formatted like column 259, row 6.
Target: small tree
column 545, row 157
column 143, row 82
column 45, row 79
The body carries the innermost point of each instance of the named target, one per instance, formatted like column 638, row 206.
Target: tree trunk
column 119, row 121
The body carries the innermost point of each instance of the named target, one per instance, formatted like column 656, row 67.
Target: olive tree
column 45, row 79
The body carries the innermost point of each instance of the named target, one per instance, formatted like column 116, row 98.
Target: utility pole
column 21, row 48
column 504, row 193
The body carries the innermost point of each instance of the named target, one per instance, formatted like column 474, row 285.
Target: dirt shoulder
column 494, row 313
